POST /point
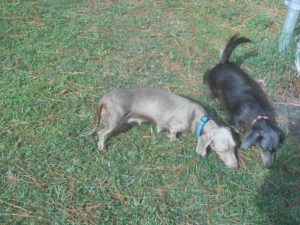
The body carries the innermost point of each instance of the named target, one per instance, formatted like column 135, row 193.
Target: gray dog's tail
column 232, row 44
column 98, row 118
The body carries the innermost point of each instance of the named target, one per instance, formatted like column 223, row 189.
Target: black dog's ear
column 250, row 139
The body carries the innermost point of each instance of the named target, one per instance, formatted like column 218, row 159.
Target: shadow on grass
column 281, row 189
column 280, row 192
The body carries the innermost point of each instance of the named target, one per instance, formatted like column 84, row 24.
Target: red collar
column 260, row 117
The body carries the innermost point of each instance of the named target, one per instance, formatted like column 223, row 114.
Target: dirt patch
column 290, row 90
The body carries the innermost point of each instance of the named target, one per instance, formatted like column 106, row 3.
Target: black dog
column 251, row 113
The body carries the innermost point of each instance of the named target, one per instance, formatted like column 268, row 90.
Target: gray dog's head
column 222, row 142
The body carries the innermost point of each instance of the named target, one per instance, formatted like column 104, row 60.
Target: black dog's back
column 237, row 91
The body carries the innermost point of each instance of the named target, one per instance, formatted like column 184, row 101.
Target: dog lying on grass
column 251, row 113
column 167, row 111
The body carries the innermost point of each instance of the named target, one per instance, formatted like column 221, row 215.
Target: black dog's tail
column 232, row 44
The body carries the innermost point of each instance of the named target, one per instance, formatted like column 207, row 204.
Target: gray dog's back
column 147, row 100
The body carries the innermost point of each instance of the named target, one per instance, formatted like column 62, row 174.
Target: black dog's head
column 269, row 138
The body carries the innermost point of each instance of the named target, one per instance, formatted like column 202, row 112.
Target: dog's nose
column 268, row 159
column 268, row 165
column 233, row 164
column 234, row 167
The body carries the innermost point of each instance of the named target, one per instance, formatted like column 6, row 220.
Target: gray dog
column 167, row 111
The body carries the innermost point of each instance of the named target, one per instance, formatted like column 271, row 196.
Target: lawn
column 59, row 57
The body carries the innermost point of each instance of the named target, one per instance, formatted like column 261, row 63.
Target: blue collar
column 201, row 125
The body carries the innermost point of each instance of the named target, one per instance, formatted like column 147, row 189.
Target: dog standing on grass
column 251, row 113
column 167, row 111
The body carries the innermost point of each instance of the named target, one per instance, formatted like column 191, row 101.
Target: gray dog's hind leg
column 104, row 136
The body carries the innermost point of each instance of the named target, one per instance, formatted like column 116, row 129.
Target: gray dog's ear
column 250, row 139
column 203, row 142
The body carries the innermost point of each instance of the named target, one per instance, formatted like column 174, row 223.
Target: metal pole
column 289, row 23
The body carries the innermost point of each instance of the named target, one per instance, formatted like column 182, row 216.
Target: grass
column 59, row 57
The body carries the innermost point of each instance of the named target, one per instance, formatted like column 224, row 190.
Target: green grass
column 58, row 58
